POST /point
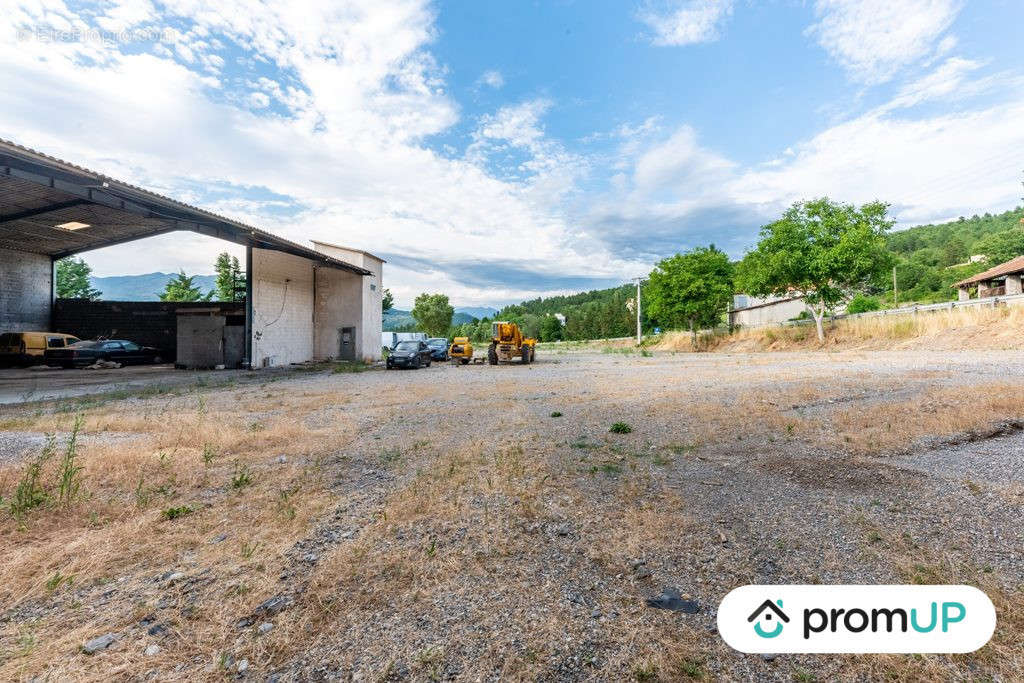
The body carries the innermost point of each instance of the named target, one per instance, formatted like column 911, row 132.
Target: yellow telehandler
column 507, row 343
column 461, row 351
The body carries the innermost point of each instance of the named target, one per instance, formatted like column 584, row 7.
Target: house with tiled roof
column 1001, row 280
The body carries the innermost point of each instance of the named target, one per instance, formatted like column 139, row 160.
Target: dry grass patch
column 955, row 329
column 91, row 564
column 941, row 412
column 1001, row 659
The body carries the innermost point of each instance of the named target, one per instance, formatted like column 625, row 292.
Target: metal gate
column 347, row 350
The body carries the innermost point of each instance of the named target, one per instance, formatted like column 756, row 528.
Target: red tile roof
column 1015, row 265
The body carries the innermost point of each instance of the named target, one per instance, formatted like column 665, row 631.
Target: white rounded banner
column 856, row 619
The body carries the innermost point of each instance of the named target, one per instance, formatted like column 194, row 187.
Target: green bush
column 863, row 304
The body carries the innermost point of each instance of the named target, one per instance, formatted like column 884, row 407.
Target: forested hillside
column 930, row 256
column 597, row 314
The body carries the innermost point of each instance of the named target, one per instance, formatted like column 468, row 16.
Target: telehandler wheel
column 464, row 361
column 492, row 355
column 525, row 353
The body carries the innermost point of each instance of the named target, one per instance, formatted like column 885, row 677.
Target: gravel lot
column 472, row 534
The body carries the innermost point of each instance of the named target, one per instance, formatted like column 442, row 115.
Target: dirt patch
column 426, row 525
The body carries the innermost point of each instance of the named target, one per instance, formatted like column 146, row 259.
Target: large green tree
column 690, row 290
column 433, row 314
column 230, row 283
column 73, row 280
column 550, row 328
column 821, row 250
column 387, row 301
column 1001, row 246
column 182, row 287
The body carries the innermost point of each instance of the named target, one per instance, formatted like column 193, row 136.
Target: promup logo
column 765, row 612
column 834, row 619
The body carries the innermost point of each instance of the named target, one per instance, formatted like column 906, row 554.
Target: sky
column 501, row 151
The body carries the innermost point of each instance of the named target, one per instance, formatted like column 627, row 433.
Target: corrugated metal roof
column 1014, row 265
column 39, row 192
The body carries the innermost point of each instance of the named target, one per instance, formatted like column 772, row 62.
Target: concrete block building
column 750, row 311
column 1001, row 280
column 300, row 304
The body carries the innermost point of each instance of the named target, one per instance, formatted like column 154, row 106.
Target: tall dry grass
column 978, row 327
column 94, row 566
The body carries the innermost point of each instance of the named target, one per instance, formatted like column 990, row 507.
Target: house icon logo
column 764, row 616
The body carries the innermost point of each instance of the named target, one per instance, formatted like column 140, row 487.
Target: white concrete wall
column 776, row 312
column 282, row 308
column 369, row 319
column 338, row 305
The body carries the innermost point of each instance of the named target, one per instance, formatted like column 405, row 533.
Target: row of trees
column 821, row 250
column 73, row 282
column 824, row 251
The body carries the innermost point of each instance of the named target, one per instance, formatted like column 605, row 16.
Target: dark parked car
column 84, row 353
column 409, row 354
column 438, row 348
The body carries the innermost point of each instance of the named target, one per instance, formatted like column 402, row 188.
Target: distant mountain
column 146, row 287
column 397, row 318
column 479, row 312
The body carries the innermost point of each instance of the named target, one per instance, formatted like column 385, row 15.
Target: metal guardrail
column 989, row 302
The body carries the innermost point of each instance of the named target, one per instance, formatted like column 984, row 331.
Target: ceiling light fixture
column 73, row 225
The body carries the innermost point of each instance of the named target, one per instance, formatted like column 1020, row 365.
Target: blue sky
column 499, row 151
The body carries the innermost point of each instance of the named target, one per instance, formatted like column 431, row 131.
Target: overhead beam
column 38, row 211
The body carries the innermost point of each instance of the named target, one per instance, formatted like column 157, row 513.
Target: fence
column 988, row 302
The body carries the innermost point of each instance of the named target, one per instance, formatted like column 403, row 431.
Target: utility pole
column 895, row 295
column 638, row 280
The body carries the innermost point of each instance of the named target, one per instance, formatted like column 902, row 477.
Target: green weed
column 176, row 512
column 241, row 478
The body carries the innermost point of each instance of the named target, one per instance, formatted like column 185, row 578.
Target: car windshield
column 85, row 345
column 437, row 342
column 407, row 346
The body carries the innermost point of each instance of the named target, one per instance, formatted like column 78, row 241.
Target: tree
column 433, row 314
column 691, row 289
column 73, row 280
column 821, row 250
column 1001, row 246
column 387, row 301
column 182, row 288
column 230, row 283
column 550, row 328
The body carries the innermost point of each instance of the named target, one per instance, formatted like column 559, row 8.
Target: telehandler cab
column 507, row 343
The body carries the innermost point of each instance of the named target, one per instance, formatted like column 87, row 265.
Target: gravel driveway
column 487, row 525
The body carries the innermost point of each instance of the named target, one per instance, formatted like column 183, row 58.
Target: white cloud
column 259, row 100
column 678, row 193
column 361, row 93
column 341, row 156
column 492, row 79
column 875, row 39
column 683, row 22
column 930, row 169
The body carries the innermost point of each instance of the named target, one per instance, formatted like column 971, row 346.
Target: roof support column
column 247, row 361
column 53, row 290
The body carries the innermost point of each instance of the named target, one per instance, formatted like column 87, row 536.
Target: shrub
column 863, row 304
column 620, row 428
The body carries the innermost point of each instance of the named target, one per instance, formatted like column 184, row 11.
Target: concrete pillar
column 965, row 293
column 1013, row 284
